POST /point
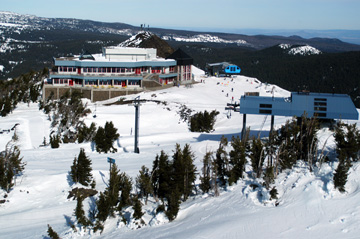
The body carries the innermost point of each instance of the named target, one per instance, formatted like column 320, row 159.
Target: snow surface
column 309, row 207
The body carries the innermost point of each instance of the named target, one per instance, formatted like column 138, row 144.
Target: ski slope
column 309, row 207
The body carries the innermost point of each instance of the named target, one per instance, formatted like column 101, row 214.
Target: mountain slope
column 29, row 42
column 149, row 40
column 309, row 207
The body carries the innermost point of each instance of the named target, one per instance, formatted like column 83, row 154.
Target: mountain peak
column 145, row 39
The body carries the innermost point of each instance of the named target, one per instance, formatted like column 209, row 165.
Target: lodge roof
column 181, row 58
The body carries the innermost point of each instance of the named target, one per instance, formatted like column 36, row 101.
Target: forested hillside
column 325, row 72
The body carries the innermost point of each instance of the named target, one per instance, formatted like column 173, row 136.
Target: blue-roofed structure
column 319, row 105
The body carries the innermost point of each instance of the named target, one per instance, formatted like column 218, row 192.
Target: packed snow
column 309, row 206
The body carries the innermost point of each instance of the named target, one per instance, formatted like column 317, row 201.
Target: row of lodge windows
column 108, row 70
column 95, row 82
column 137, row 70
column 67, row 69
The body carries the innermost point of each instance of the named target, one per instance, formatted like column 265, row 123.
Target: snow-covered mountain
column 308, row 205
column 18, row 23
column 203, row 38
column 300, row 50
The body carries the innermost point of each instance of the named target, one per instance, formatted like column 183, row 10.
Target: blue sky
column 202, row 14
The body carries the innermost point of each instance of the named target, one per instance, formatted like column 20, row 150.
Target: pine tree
column 137, row 209
column 341, row 174
column 237, row 159
column 183, row 170
column 287, row 140
column 222, row 162
column 81, row 169
column 10, row 165
column 105, row 137
column 161, row 178
column 86, row 134
column 125, row 186
column 99, row 140
column 112, row 192
column 51, row 233
column 143, row 183
column 257, row 156
column 55, row 141
column 347, row 143
column 214, row 178
column 80, row 213
column 111, row 135
column 173, row 205
column 269, row 176
column 189, row 171
column 206, row 170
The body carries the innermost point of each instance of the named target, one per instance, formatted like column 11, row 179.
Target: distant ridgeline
column 30, row 43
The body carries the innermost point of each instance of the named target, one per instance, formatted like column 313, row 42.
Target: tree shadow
column 93, row 146
column 103, row 178
column 69, row 179
column 69, row 222
column 118, row 142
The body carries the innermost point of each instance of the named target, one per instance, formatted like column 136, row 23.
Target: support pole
column 272, row 124
column 137, row 109
column 243, row 131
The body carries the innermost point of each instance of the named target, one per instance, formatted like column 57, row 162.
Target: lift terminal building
column 319, row 105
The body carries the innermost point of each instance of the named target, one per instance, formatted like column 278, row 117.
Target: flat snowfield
column 308, row 205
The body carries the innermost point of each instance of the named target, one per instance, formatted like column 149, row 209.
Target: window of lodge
column 117, row 82
column 134, row 82
column 105, row 82
column 156, row 70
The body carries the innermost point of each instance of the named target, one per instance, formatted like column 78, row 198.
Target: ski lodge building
column 119, row 70
column 319, row 105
